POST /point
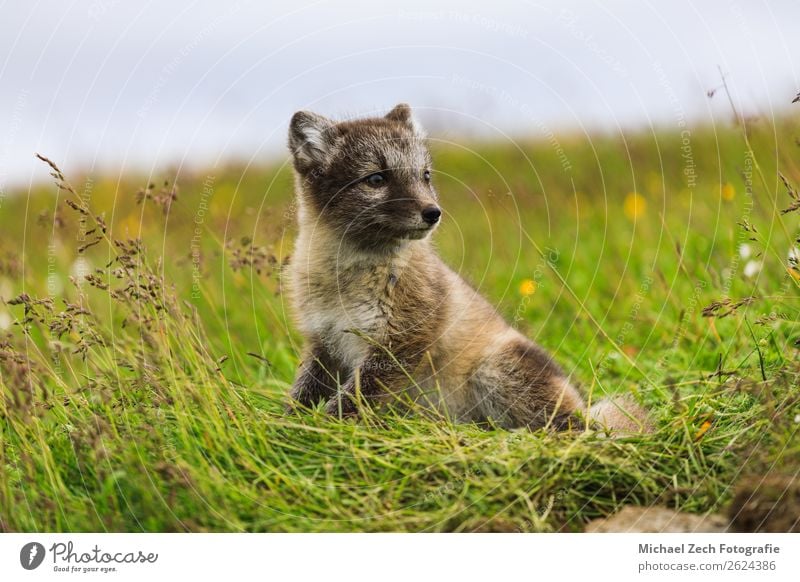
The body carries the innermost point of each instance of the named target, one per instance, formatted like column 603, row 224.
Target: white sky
column 106, row 84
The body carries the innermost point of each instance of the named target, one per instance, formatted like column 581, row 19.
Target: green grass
column 150, row 396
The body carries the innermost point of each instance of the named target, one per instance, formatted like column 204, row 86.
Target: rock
column 766, row 504
column 656, row 519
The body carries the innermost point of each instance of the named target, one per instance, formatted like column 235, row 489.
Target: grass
column 147, row 348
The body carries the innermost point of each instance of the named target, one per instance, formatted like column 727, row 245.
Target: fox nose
column 431, row 214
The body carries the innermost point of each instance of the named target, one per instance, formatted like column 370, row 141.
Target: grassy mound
column 146, row 348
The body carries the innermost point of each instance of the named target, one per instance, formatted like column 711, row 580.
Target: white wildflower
column 745, row 251
column 80, row 268
column 752, row 268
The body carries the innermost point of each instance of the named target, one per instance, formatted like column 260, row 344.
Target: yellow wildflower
column 728, row 191
column 635, row 205
column 527, row 287
column 703, row 430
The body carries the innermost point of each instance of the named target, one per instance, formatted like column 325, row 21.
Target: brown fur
column 384, row 318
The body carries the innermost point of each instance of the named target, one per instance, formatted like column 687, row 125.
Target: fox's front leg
column 317, row 377
column 371, row 383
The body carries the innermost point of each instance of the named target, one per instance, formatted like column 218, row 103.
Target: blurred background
column 105, row 85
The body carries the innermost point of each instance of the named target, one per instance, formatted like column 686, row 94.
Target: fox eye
column 375, row 180
column 426, row 175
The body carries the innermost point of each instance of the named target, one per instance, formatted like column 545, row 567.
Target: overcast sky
column 111, row 85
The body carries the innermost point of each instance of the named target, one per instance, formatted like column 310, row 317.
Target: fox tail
column 621, row 415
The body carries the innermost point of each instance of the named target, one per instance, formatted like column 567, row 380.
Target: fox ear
column 402, row 113
column 310, row 140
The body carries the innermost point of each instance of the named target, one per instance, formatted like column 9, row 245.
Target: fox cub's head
column 368, row 179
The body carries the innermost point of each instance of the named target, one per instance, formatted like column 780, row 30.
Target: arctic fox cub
column 384, row 319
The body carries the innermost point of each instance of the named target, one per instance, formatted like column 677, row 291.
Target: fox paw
column 341, row 406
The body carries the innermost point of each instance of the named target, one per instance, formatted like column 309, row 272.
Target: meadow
column 146, row 346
